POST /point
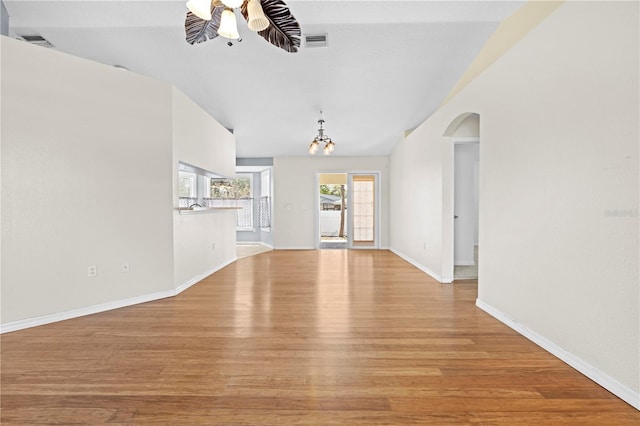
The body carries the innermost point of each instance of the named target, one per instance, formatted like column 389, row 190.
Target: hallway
column 288, row 337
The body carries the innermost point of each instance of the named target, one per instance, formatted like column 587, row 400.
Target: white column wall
column 86, row 151
column 203, row 242
column 416, row 199
column 559, row 183
column 89, row 168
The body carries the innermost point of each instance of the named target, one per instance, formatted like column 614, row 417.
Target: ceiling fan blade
column 198, row 30
column 283, row 30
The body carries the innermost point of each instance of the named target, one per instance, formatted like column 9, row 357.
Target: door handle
column 455, row 216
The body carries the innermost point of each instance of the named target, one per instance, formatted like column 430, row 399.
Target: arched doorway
column 463, row 191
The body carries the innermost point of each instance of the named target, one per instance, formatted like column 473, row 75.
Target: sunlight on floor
column 246, row 250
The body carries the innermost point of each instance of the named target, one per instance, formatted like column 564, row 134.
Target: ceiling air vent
column 315, row 40
column 37, row 40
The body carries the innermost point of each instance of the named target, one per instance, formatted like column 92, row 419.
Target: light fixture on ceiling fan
column 271, row 19
column 322, row 138
column 228, row 25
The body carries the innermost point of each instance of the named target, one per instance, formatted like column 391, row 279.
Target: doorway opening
column 332, row 215
column 251, row 193
column 462, row 189
column 347, row 210
column 465, row 202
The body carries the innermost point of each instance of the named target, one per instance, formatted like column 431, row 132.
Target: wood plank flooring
column 298, row 337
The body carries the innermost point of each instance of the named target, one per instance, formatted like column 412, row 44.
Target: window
column 264, row 208
column 187, row 187
column 193, row 185
column 363, row 209
column 236, row 192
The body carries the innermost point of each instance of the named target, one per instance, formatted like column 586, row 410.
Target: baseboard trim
column 464, row 263
column 103, row 307
column 295, row 248
column 253, row 243
column 418, row 265
column 609, row 383
column 80, row 312
column 182, row 287
column 313, row 248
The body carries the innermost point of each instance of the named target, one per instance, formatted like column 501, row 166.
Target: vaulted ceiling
column 387, row 66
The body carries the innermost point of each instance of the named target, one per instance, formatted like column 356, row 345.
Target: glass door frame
column 376, row 210
column 316, row 220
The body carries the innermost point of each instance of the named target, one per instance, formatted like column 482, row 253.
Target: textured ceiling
column 387, row 67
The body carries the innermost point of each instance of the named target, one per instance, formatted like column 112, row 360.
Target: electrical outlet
column 213, row 246
column 92, row 271
column 125, row 268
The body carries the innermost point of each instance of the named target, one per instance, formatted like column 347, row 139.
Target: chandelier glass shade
column 228, row 25
column 257, row 20
column 321, row 139
column 200, row 8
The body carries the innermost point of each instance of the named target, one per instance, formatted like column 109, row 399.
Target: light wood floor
column 298, row 337
column 248, row 249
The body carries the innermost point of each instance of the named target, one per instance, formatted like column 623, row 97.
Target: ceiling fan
column 272, row 19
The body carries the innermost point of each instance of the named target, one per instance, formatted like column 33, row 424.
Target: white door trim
column 378, row 203
column 455, row 140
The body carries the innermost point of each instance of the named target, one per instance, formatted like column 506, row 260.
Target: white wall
column 203, row 242
column 559, row 187
column 89, row 177
column 416, row 200
column 86, row 151
column 295, row 195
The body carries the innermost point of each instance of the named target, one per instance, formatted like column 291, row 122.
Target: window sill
column 201, row 210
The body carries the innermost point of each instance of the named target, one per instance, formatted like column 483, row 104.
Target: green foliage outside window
column 231, row 188
column 333, row 190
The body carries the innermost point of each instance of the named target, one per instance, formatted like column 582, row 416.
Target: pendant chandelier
column 322, row 138
column 271, row 19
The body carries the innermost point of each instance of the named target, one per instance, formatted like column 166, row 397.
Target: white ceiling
column 388, row 66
